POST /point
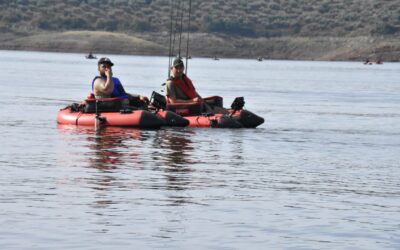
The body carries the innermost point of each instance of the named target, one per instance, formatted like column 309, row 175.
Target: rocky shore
column 209, row 45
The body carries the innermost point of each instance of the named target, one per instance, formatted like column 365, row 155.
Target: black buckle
column 125, row 111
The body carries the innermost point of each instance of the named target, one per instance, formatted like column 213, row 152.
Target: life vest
column 186, row 85
column 118, row 90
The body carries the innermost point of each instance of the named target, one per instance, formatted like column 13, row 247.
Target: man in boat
column 179, row 88
column 107, row 86
column 367, row 61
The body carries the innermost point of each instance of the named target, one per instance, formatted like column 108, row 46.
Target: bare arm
column 172, row 100
column 104, row 87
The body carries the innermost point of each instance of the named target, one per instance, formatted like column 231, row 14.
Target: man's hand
column 144, row 99
column 108, row 72
column 197, row 99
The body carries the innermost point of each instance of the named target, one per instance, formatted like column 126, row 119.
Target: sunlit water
column 321, row 173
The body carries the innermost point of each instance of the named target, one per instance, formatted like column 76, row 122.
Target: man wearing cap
column 106, row 86
column 179, row 88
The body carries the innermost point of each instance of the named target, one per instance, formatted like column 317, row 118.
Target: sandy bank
column 209, row 45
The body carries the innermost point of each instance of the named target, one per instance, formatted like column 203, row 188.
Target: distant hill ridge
column 257, row 18
column 280, row 29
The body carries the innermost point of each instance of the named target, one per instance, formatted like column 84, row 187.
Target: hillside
column 293, row 29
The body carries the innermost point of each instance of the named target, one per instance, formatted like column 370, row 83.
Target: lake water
column 321, row 173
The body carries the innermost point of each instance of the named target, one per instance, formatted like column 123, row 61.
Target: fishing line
column 170, row 39
column 180, row 33
column 176, row 29
column 188, row 32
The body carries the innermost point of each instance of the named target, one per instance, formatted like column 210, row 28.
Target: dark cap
column 177, row 62
column 105, row 60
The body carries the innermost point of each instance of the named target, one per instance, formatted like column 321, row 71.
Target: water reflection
column 109, row 147
column 175, row 146
column 108, row 151
column 176, row 151
column 114, row 151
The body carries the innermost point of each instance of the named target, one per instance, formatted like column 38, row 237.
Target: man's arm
column 104, row 87
column 172, row 100
column 138, row 97
column 172, row 95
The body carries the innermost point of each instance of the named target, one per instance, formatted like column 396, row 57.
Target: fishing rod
column 188, row 32
column 180, row 33
column 176, row 29
column 170, row 40
column 45, row 98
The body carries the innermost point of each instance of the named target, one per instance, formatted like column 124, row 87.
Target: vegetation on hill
column 240, row 20
column 257, row 18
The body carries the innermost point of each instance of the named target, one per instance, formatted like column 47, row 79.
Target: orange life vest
column 186, row 85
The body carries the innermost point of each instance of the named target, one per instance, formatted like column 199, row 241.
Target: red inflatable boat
column 111, row 112
column 211, row 113
column 136, row 118
column 240, row 119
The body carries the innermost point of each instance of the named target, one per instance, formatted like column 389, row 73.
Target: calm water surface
column 321, row 173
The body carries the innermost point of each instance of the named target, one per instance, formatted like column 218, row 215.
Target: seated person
column 179, row 88
column 107, row 86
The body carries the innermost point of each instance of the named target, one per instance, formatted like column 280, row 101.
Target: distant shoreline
column 210, row 45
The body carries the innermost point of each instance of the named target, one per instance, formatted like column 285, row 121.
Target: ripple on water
column 321, row 172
